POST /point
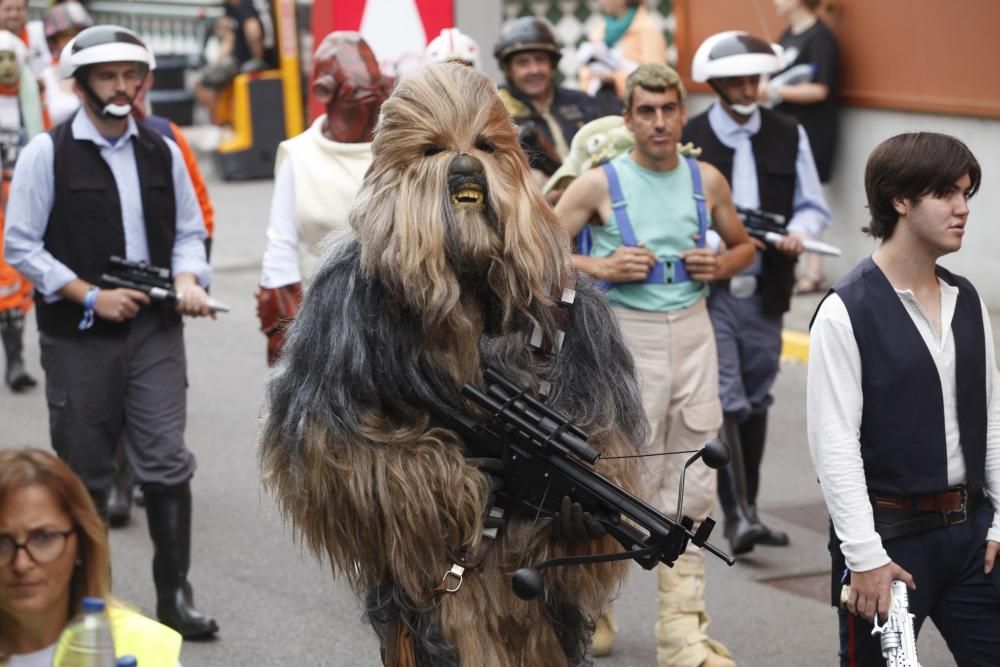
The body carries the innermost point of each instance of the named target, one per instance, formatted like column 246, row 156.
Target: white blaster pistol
column 899, row 643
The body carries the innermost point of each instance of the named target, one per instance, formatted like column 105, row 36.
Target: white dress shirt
column 32, row 194
column 834, row 404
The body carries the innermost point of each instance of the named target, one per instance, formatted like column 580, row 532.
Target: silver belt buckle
column 743, row 287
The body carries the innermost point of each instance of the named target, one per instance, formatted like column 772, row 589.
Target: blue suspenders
column 666, row 271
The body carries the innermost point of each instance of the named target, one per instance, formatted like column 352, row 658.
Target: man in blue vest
column 95, row 186
column 647, row 213
column 903, row 407
column 766, row 158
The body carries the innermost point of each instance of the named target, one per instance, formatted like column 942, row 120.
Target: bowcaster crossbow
column 547, row 457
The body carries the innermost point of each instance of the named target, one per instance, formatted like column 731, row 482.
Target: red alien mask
column 347, row 81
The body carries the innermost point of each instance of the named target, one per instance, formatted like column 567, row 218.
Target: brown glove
column 276, row 308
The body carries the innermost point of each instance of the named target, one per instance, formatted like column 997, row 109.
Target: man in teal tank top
column 646, row 213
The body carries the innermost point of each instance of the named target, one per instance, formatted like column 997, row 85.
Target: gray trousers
column 749, row 345
column 132, row 389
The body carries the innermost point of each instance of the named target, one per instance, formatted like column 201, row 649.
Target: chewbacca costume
column 435, row 284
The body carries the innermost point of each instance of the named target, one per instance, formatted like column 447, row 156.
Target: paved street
column 277, row 606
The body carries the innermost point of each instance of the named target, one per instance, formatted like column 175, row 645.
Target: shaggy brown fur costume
column 415, row 303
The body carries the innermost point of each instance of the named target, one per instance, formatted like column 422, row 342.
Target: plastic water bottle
column 86, row 641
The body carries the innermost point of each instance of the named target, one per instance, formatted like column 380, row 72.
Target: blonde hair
column 655, row 77
column 22, row 468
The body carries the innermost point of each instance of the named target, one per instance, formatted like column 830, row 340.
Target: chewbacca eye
column 432, row 150
column 485, row 146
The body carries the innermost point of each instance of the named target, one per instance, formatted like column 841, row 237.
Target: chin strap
column 744, row 109
column 741, row 109
column 109, row 110
column 117, row 110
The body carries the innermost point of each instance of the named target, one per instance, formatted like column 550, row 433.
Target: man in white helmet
column 453, row 46
column 97, row 186
column 767, row 160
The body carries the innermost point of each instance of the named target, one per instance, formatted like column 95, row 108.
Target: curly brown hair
column 655, row 77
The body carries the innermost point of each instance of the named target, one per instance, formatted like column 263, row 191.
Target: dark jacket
column 85, row 225
column 571, row 109
column 775, row 150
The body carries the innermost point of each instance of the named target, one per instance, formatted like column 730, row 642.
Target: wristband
column 88, row 308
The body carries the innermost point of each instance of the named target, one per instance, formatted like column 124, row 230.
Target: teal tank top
column 662, row 211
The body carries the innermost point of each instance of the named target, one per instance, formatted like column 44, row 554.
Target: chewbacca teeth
column 468, row 196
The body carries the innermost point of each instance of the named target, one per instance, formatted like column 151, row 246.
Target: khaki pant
column 677, row 364
column 678, row 370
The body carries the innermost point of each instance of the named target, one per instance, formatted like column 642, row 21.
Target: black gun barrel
column 539, row 448
column 756, row 215
column 501, row 411
column 583, row 476
column 155, row 290
column 556, row 430
column 493, row 376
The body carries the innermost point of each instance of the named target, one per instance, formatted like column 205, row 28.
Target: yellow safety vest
column 153, row 644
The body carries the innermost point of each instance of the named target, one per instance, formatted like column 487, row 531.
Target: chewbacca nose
column 465, row 165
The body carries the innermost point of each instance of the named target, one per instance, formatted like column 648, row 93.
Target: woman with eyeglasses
column 53, row 553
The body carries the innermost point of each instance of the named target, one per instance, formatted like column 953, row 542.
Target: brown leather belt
column 898, row 516
column 949, row 501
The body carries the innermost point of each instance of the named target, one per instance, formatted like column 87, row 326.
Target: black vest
column 775, row 150
column 85, row 224
column 902, row 421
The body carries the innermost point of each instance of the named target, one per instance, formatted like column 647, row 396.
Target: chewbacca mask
column 453, row 258
column 347, row 81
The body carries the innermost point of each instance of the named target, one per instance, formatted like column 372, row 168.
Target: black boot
column 120, row 496
column 168, row 509
column 12, row 332
column 100, row 499
column 753, row 435
column 741, row 530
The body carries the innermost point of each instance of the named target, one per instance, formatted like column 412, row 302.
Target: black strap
column 890, row 524
column 926, row 521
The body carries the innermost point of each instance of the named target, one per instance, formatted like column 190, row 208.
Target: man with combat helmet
column 528, row 53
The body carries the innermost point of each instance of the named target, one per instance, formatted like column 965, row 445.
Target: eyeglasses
column 43, row 546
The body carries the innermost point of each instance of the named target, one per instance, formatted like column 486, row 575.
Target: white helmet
column 734, row 53
column 452, row 45
column 103, row 44
column 13, row 44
